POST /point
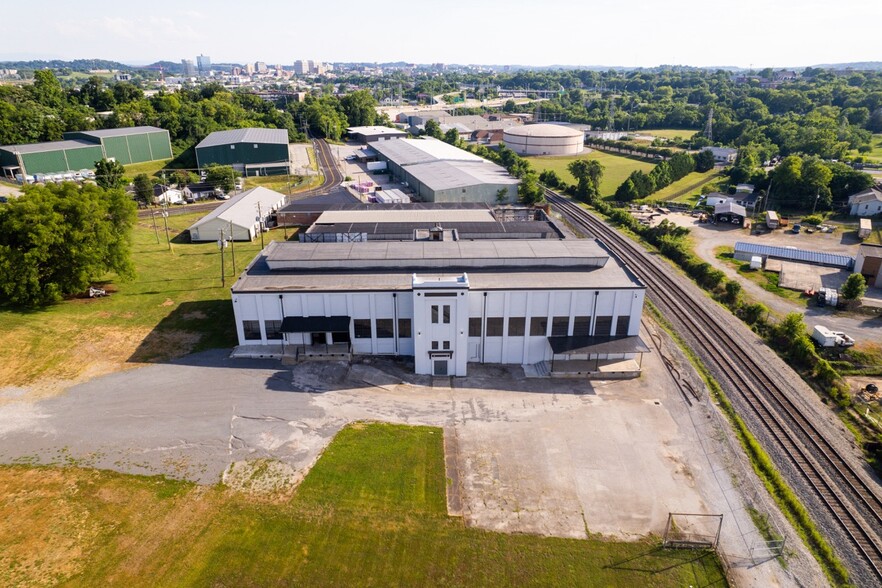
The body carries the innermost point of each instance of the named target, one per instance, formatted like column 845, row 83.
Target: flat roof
column 435, row 254
column 402, row 216
column 50, row 146
column 536, row 264
column 375, row 130
column 411, row 151
column 794, row 254
column 353, row 204
column 598, row 344
column 121, row 132
column 464, row 228
column 250, row 135
column 446, row 175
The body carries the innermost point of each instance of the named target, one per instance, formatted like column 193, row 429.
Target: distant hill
column 861, row 65
column 76, row 65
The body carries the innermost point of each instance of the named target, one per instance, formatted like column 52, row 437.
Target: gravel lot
column 709, row 237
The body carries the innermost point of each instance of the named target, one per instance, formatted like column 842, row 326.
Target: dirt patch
column 168, row 302
column 88, row 354
column 262, row 477
column 42, row 554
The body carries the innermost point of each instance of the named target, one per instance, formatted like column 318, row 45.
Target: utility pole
column 165, row 220
column 221, row 243
column 232, row 248
column 155, row 230
column 260, row 225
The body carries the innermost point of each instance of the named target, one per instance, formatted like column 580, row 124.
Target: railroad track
column 851, row 501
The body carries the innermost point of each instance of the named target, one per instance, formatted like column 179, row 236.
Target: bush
column 814, row 219
column 755, row 313
column 854, row 287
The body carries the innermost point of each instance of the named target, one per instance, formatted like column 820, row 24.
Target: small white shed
column 243, row 215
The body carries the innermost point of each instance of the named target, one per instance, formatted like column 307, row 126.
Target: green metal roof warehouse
column 250, row 151
column 81, row 149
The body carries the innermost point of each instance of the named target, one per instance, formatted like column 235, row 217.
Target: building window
column 603, row 326
column 251, row 330
column 516, row 326
column 445, row 314
column 434, row 314
column 560, row 326
column 434, row 345
column 475, row 326
column 273, row 329
column 385, row 329
column 582, row 326
column 445, row 345
column 232, row 146
column 538, row 326
column 362, row 328
column 623, row 324
column 494, row 326
column 404, row 329
column 255, row 145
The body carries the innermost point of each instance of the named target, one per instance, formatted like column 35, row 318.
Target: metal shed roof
column 275, row 136
column 412, row 151
column 730, row 208
column 241, row 209
column 445, row 175
column 49, row 146
column 794, row 254
column 125, row 131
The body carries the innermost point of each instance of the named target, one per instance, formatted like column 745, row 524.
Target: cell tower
column 709, row 125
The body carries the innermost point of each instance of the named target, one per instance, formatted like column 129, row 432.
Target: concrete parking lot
column 553, row 457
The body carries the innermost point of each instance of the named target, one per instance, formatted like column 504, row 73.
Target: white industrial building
column 243, row 216
column 544, row 139
column 567, row 305
column 439, row 172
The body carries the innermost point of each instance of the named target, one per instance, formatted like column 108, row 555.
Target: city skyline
column 515, row 32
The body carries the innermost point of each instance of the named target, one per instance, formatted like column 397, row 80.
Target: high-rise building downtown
column 203, row 64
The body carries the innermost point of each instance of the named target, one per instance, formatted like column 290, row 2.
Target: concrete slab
column 802, row 276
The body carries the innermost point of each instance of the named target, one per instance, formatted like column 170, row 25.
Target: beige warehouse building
column 544, row 139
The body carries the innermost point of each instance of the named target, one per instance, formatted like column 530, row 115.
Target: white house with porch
column 446, row 304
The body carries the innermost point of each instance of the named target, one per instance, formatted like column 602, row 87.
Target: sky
column 629, row 33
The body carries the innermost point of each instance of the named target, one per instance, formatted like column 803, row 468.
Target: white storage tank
column 544, row 139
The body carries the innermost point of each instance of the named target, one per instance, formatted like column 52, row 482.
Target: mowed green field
column 370, row 513
column 174, row 306
column 616, row 168
column 668, row 133
column 686, row 189
column 875, row 154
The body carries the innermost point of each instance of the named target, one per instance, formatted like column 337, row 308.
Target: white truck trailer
column 827, row 338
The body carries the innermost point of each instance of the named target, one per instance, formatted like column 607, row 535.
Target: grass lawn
column 148, row 167
column 686, row 189
column 616, row 168
column 174, row 306
column 668, row 133
column 370, row 513
column 283, row 184
column 876, row 153
column 768, row 281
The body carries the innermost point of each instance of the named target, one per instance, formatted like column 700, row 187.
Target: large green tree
column 360, row 108
column 588, row 173
column 56, row 239
column 221, row 176
column 109, row 174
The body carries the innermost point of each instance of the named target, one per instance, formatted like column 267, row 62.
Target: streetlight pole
column 816, row 202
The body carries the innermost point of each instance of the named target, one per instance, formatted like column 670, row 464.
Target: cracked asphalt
column 554, row 457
